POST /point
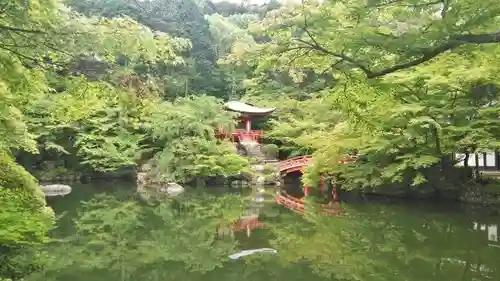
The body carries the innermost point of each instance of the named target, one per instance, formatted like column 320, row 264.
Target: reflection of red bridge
column 298, row 205
column 299, row 164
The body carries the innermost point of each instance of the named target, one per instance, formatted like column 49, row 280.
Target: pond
column 375, row 240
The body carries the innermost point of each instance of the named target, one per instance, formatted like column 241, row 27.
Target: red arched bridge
column 299, row 163
column 294, row 164
column 297, row 205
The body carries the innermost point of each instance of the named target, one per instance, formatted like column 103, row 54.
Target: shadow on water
column 378, row 240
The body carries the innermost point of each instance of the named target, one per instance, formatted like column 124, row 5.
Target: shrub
column 25, row 218
column 270, row 150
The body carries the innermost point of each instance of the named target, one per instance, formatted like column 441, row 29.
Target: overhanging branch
column 17, row 29
column 314, row 45
column 427, row 54
column 317, row 47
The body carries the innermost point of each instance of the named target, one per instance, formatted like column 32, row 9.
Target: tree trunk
column 442, row 162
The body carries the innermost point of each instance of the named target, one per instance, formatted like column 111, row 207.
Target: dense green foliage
column 91, row 98
column 24, row 218
column 190, row 148
column 405, row 84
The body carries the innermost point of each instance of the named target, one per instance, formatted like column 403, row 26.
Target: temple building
column 248, row 114
column 482, row 161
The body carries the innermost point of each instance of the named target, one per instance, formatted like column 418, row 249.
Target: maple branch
column 425, row 54
column 4, row 7
column 446, row 4
column 16, row 29
column 398, row 2
column 428, row 54
column 316, row 46
column 19, row 55
column 342, row 56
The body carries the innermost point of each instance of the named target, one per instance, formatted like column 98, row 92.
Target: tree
column 177, row 18
column 24, row 217
column 410, row 80
column 186, row 135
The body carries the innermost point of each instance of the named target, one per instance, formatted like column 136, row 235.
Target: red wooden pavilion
column 248, row 113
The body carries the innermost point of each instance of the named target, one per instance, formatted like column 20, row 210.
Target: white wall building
column 483, row 161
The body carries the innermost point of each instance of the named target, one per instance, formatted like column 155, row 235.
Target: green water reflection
column 410, row 241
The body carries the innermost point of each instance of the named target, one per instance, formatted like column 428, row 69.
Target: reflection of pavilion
column 492, row 231
column 248, row 221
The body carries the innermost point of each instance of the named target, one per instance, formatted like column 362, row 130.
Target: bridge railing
column 241, row 134
column 298, row 205
column 295, row 162
column 291, row 203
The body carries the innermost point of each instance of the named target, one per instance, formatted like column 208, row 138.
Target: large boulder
column 56, row 189
column 240, row 180
column 172, row 189
column 258, row 168
column 149, row 183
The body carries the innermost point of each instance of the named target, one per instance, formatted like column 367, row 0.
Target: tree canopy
column 406, row 84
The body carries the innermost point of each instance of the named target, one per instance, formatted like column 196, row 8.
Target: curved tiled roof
column 242, row 107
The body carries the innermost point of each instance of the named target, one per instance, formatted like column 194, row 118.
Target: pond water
column 375, row 240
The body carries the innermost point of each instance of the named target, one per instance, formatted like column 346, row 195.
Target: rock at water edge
column 56, row 189
column 172, row 189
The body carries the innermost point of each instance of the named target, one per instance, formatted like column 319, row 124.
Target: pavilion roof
column 244, row 108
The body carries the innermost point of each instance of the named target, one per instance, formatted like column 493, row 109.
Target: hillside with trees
column 91, row 87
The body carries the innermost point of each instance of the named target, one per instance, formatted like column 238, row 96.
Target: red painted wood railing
column 298, row 205
column 292, row 203
column 253, row 135
column 298, row 163
column 241, row 134
column 294, row 164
